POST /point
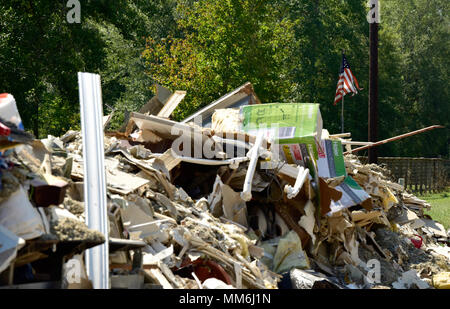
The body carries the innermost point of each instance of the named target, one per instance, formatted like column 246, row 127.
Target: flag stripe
column 347, row 82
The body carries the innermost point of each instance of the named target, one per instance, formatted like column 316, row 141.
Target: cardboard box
column 295, row 127
column 332, row 165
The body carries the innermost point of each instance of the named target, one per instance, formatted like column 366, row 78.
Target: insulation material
column 289, row 254
column 442, row 281
column 19, row 216
column 226, row 120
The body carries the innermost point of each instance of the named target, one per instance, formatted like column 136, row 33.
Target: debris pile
column 248, row 195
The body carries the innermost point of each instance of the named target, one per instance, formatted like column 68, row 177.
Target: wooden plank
column 172, row 103
column 226, row 101
column 341, row 135
column 157, row 276
column 397, row 138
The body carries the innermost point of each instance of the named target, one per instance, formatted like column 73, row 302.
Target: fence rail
column 421, row 175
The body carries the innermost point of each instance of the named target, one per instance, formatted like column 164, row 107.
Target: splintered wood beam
column 395, row 138
column 344, row 142
column 341, row 135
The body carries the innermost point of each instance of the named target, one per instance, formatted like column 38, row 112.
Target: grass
column 440, row 207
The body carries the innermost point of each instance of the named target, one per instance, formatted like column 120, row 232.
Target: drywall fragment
column 306, row 279
column 154, row 259
column 234, row 208
column 215, row 198
column 9, row 246
column 58, row 214
column 167, row 203
column 157, row 276
column 121, row 182
column 213, row 283
column 407, row 216
column 20, row 217
column 441, row 250
column 290, row 254
column 134, row 215
column 169, row 160
column 435, row 228
column 308, row 220
column 409, row 279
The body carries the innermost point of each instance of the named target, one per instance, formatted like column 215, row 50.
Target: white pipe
column 91, row 111
column 301, row 177
column 254, row 152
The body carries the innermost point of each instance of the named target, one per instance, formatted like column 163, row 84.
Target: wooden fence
column 421, row 175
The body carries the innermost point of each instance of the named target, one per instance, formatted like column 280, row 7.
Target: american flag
column 347, row 81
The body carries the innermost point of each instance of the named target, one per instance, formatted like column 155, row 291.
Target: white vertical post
column 91, row 110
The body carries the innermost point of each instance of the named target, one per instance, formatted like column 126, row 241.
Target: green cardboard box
column 295, row 127
column 332, row 165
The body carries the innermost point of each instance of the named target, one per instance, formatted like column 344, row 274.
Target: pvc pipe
column 91, row 111
column 301, row 177
column 254, row 152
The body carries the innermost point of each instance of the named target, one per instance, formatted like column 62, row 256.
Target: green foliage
column 31, row 54
column 290, row 50
column 222, row 45
column 323, row 29
column 439, row 207
column 41, row 54
column 420, row 33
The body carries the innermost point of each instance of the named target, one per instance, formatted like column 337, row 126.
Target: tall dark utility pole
column 374, row 20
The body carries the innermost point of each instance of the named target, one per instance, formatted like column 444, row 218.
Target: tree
column 41, row 54
column 323, row 30
column 222, row 45
column 421, row 34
